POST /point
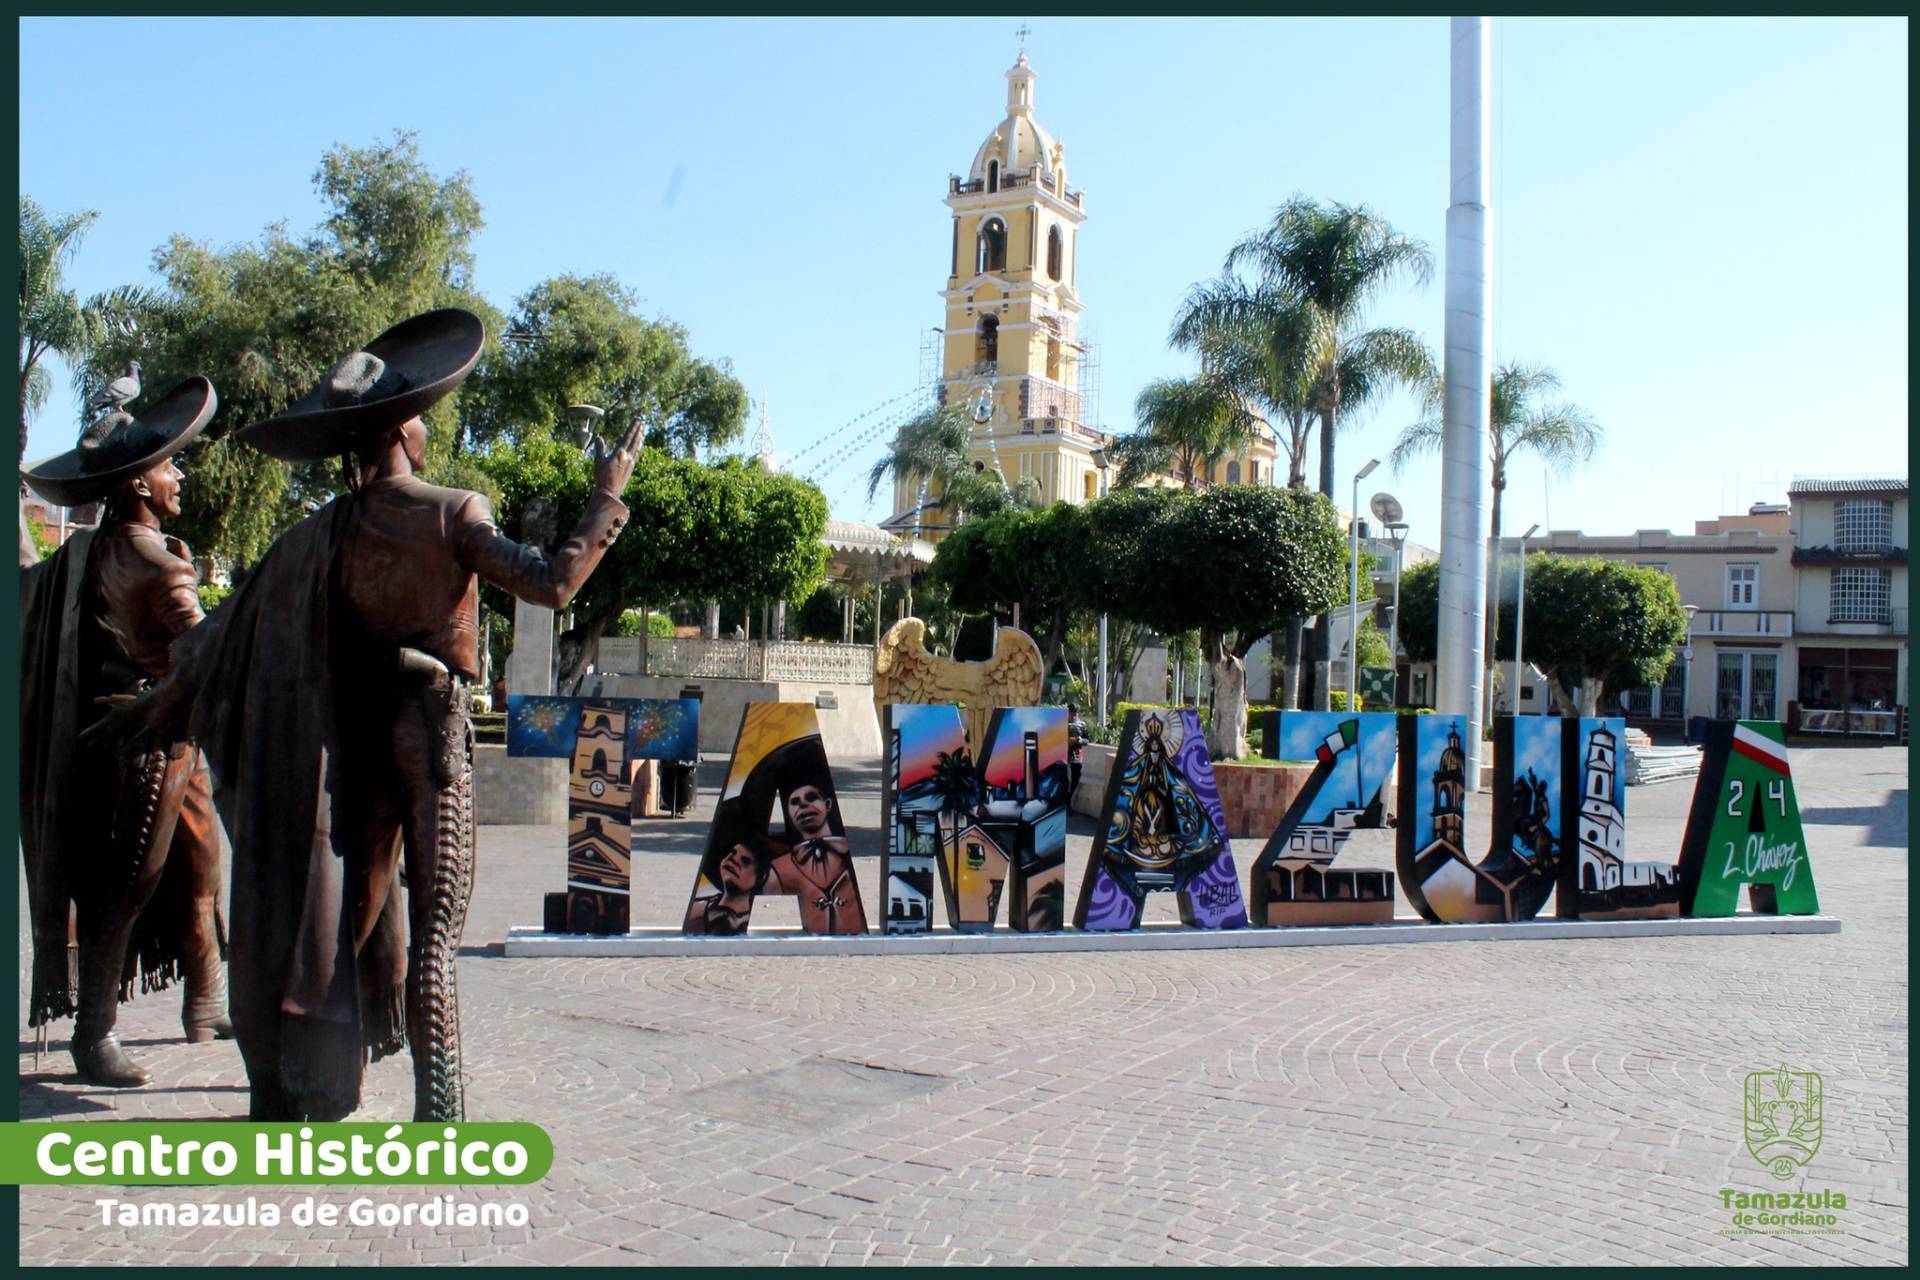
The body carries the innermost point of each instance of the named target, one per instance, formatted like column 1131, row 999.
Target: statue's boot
column 203, row 1015
column 97, row 1053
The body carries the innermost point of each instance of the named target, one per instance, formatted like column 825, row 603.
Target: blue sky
column 1701, row 224
column 1536, row 748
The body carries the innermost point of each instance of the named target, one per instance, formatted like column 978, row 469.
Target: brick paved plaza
column 1565, row 1101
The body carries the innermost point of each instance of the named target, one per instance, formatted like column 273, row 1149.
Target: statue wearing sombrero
column 126, row 837
column 329, row 695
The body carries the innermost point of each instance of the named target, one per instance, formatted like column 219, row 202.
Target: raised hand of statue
column 612, row 470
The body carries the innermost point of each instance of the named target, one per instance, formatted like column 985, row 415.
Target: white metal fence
column 703, row 659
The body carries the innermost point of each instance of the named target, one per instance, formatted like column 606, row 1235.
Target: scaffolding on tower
column 1089, row 372
column 933, row 354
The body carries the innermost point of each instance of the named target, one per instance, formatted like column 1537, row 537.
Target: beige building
column 1736, row 573
column 1799, row 611
column 1850, row 606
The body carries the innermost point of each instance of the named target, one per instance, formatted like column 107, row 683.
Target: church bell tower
column 1012, row 351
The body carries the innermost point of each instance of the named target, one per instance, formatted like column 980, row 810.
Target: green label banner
column 224, row 1152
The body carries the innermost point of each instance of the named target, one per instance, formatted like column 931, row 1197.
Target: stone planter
column 519, row 792
column 1255, row 796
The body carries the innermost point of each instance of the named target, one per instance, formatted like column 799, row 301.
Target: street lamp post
column 1353, row 589
column 1398, row 532
column 1386, row 509
column 1686, row 693
column 1520, row 618
column 1100, row 702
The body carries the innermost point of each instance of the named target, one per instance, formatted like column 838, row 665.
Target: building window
column 986, row 344
column 1664, row 701
column 1055, row 250
column 1659, row 565
column 1233, row 473
column 1863, row 525
column 1848, row 679
column 992, row 253
column 1745, row 686
column 1860, row 595
column 1743, row 582
column 993, row 175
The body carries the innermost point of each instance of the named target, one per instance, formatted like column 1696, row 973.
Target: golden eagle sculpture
column 903, row 671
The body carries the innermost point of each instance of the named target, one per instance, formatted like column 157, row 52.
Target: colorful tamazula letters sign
column 995, row 829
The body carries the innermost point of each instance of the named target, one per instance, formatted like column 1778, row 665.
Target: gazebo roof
column 860, row 552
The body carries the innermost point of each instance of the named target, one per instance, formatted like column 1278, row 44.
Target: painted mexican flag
column 1339, row 740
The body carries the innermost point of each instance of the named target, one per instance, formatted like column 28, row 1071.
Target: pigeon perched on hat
column 117, row 394
column 120, row 445
column 397, row 377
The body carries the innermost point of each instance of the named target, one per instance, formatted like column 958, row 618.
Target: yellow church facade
column 1012, row 353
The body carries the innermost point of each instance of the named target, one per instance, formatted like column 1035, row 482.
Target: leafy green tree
column 1260, row 339
column 1186, row 425
column 933, row 449
column 264, row 320
column 1033, row 558
column 1372, row 646
column 1263, row 554
column 1559, row 434
column 728, row 531
column 1593, row 625
column 580, row 339
column 657, row 626
column 1420, row 611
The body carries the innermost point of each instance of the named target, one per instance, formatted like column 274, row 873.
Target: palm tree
column 1258, row 340
column 1559, row 434
column 1337, row 258
column 53, row 319
column 1186, row 426
column 932, row 450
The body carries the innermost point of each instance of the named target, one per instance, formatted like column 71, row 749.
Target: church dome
column 1018, row 143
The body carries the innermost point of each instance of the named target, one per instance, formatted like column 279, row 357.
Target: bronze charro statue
column 126, row 836
column 329, row 693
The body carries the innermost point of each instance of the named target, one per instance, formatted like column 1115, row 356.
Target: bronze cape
column 328, row 696
column 261, row 671
column 69, row 793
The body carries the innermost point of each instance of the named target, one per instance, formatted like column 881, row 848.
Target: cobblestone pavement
column 1563, row 1101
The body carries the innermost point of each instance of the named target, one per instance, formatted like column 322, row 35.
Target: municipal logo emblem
column 1784, row 1110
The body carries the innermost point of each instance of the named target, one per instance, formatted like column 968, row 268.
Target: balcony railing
column 1010, row 181
column 696, row 658
column 1745, row 622
column 1873, row 555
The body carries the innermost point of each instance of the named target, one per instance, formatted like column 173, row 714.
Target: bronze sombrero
column 121, row 446
column 399, row 375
